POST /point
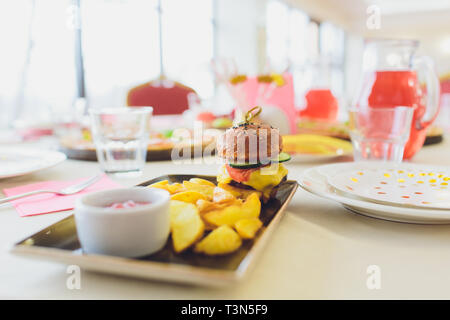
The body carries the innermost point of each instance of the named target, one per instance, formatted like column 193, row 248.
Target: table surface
column 319, row 250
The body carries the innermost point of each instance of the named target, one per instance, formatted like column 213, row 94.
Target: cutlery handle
column 27, row 194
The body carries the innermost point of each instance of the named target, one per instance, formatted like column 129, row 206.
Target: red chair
column 165, row 96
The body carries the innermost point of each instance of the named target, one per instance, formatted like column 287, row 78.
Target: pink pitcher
column 392, row 77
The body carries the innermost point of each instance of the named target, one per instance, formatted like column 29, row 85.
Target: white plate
column 413, row 185
column 17, row 161
column 315, row 180
column 308, row 158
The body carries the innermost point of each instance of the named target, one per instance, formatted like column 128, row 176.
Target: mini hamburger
column 253, row 156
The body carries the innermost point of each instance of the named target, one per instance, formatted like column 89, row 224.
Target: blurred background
column 59, row 54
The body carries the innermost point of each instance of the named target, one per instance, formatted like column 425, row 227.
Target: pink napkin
column 47, row 202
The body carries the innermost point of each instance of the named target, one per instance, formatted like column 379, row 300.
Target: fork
column 63, row 192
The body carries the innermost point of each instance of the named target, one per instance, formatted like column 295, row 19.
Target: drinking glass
column 380, row 133
column 394, row 75
column 121, row 137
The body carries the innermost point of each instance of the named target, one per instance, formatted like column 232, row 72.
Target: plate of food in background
column 161, row 144
column 340, row 130
column 311, row 147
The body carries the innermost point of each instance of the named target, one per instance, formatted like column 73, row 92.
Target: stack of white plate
column 412, row 193
column 18, row 161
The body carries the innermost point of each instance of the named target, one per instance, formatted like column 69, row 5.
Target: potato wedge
column 201, row 188
column 172, row 188
column 176, row 187
column 188, row 196
column 238, row 192
column 202, row 182
column 185, row 224
column 222, row 196
column 204, row 206
column 222, row 240
column 176, row 209
column 252, row 205
column 160, row 184
column 229, row 215
column 247, row 228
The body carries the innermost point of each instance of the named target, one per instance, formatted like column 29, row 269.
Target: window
column 121, row 49
column 187, row 29
column 277, row 26
column 121, row 45
column 332, row 46
column 37, row 61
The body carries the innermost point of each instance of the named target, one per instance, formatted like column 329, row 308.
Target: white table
column 319, row 250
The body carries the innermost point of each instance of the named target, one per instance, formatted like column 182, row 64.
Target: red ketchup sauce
column 127, row 204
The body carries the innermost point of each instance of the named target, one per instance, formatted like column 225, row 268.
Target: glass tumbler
column 121, row 137
column 380, row 133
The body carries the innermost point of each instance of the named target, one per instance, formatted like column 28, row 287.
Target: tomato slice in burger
column 239, row 175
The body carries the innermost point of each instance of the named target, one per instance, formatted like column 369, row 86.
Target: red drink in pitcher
column 320, row 104
column 391, row 80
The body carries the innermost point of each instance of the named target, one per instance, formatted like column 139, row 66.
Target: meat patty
column 251, row 143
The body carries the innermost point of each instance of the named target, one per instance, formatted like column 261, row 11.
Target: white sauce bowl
column 128, row 232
